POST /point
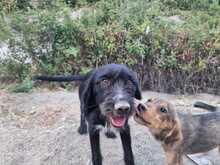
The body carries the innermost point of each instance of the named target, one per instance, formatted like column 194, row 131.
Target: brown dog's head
column 158, row 115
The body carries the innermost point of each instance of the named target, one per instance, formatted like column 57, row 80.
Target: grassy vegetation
column 174, row 45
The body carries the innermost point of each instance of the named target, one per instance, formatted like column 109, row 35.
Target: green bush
column 25, row 86
column 23, row 4
column 139, row 33
column 7, row 5
column 72, row 3
column 189, row 5
column 5, row 30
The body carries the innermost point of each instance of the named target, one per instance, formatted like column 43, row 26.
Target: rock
column 175, row 18
column 4, row 50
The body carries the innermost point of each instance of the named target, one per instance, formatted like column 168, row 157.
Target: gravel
column 40, row 128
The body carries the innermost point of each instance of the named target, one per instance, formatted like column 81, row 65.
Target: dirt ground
column 40, row 128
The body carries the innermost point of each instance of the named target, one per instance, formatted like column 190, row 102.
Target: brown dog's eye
column 163, row 110
column 105, row 83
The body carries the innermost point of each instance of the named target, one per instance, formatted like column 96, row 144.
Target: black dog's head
column 112, row 88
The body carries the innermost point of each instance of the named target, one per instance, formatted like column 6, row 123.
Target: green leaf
column 71, row 51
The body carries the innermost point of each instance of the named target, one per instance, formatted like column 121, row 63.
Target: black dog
column 106, row 97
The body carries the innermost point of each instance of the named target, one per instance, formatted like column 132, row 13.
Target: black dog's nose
column 122, row 106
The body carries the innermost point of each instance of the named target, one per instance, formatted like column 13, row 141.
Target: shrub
column 25, row 86
column 71, row 3
column 190, row 5
column 7, row 5
column 169, row 55
column 23, row 4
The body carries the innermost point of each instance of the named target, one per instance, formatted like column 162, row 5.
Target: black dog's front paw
column 110, row 134
column 82, row 130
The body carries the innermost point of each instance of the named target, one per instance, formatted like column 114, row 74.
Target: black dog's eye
column 105, row 83
column 130, row 83
column 150, row 100
column 163, row 110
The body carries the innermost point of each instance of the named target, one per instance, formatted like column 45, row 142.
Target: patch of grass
column 24, row 87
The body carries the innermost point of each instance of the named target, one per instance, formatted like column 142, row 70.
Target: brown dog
column 179, row 133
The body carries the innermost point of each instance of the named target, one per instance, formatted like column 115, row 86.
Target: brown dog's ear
column 174, row 134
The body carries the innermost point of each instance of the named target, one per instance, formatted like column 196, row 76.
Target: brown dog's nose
column 122, row 106
column 141, row 108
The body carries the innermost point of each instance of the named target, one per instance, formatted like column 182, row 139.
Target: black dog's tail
column 208, row 107
column 61, row 78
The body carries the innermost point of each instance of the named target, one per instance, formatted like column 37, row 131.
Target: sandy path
column 39, row 128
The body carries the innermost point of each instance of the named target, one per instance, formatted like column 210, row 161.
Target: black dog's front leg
column 126, row 143
column 83, row 126
column 95, row 146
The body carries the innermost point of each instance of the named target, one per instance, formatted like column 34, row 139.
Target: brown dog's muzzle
column 140, row 109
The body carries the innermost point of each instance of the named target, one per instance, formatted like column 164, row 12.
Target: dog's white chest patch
column 105, row 129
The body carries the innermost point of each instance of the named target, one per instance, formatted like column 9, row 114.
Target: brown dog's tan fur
column 178, row 133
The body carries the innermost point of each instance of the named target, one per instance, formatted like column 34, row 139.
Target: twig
column 187, row 156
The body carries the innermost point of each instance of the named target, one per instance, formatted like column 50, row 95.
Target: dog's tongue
column 118, row 121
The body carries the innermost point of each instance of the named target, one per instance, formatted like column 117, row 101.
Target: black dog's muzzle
column 122, row 107
column 117, row 112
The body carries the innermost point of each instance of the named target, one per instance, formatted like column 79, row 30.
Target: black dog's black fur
column 206, row 106
column 101, row 91
column 61, row 78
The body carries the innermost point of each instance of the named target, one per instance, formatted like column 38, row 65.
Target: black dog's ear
column 137, row 86
column 138, row 92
